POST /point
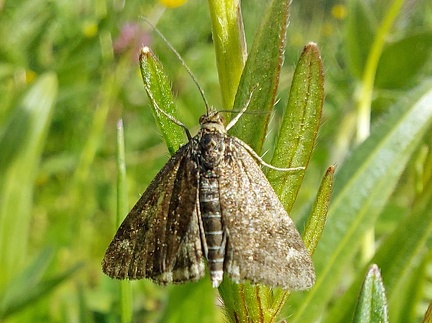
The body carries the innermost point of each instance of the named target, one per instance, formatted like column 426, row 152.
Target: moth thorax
column 215, row 240
column 212, row 150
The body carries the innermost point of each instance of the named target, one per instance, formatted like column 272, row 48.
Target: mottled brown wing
column 159, row 238
column 264, row 246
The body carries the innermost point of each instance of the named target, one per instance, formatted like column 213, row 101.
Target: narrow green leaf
column 362, row 187
column 230, row 46
column 372, row 305
column 317, row 219
column 402, row 60
column 299, row 126
column 260, row 76
column 157, row 86
column 21, row 145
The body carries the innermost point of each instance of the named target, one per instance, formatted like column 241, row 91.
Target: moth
column 210, row 205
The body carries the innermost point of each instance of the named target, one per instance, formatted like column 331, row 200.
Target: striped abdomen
column 213, row 227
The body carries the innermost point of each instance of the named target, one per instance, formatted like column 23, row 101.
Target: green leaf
column 230, row 46
column 299, row 126
column 362, row 187
column 317, row 219
column 402, row 60
column 371, row 305
column 357, row 44
column 28, row 286
column 21, row 145
column 260, row 77
column 158, row 88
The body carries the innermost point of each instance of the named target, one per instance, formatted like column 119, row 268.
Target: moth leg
column 201, row 230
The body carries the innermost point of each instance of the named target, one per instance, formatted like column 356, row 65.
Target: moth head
column 212, row 122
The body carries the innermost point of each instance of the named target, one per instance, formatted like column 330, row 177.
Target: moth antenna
column 243, row 110
column 181, row 60
column 152, row 99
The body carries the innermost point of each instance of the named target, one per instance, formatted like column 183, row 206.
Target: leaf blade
column 299, row 126
column 372, row 303
column 157, row 86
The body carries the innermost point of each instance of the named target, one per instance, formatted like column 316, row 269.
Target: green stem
column 366, row 90
column 365, row 99
column 230, row 46
column 122, row 208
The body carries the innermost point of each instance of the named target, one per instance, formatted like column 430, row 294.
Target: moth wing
column 263, row 246
column 160, row 238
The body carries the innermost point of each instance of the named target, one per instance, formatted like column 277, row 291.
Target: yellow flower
column 339, row 11
column 30, row 76
column 89, row 29
column 172, row 3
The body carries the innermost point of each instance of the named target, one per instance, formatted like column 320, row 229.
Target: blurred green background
column 69, row 71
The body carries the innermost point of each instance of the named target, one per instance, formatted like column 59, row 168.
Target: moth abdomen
column 214, row 236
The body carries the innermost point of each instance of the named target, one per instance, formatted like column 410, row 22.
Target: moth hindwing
column 210, row 201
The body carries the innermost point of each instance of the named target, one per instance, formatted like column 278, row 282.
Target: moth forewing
column 160, row 237
column 264, row 245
